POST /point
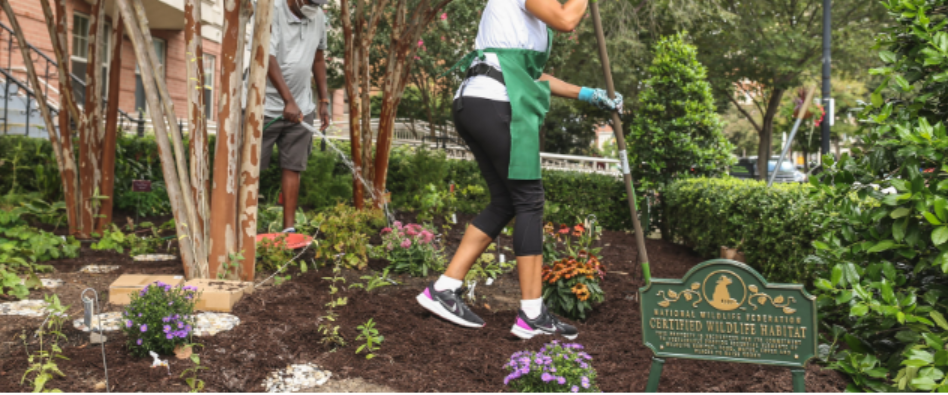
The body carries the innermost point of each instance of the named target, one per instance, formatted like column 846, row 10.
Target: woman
column 498, row 111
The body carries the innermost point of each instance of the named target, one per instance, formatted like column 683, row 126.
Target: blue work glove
column 599, row 98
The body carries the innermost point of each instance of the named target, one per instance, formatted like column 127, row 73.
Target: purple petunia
column 166, row 329
column 180, row 325
column 546, row 377
column 139, row 314
column 585, row 382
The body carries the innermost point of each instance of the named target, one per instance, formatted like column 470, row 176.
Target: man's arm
column 291, row 112
column 319, row 73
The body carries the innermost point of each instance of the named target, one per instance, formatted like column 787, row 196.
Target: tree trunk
column 175, row 193
column 253, row 133
column 766, row 133
column 90, row 138
column 111, row 125
column 197, row 119
column 65, row 158
column 224, row 192
column 350, row 69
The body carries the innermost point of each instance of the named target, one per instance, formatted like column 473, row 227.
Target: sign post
column 723, row 310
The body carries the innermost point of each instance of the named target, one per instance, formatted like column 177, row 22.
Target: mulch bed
column 420, row 352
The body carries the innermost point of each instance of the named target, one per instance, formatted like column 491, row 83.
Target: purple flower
column 139, row 342
column 524, row 360
column 188, row 297
column 524, row 370
column 128, row 324
column 574, row 389
column 170, row 303
column 144, row 327
column 553, row 369
column 561, row 380
column 182, row 334
column 584, row 365
column 166, row 319
column 139, row 314
column 546, row 377
column 506, row 380
column 187, row 328
column 169, row 336
column 167, row 288
column 180, row 325
column 167, row 329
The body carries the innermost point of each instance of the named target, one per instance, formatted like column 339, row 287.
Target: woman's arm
column 561, row 88
column 562, row 17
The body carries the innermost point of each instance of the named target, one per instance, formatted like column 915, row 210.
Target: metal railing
column 49, row 65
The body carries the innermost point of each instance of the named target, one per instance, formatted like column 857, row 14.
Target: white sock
column 532, row 307
column 446, row 283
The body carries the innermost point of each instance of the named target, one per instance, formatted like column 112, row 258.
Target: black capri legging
column 485, row 125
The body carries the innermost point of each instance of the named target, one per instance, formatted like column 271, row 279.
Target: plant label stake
column 722, row 310
column 620, row 142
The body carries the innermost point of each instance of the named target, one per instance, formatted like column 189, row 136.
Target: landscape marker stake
column 620, row 141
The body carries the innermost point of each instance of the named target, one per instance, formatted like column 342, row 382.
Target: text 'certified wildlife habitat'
column 724, row 310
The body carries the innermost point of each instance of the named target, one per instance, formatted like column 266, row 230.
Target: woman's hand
column 600, row 98
column 561, row 17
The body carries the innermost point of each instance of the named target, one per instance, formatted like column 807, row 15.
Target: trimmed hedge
column 774, row 226
column 328, row 181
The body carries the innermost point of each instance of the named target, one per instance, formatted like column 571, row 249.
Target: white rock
column 210, row 324
column 99, row 269
column 29, row 308
column 295, row 378
column 108, row 322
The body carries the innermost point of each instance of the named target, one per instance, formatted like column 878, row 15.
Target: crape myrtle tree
column 87, row 189
column 763, row 48
column 677, row 132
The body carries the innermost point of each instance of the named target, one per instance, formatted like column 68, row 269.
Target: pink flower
column 444, row 16
column 421, row 42
column 411, row 230
column 406, row 243
column 389, row 247
column 427, row 236
column 398, row 225
column 386, row 231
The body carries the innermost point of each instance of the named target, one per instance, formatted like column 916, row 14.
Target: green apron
column 529, row 103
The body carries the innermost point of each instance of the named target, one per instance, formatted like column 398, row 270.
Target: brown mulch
column 420, row 352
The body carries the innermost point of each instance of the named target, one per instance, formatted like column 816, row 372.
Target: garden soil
column 420, row 352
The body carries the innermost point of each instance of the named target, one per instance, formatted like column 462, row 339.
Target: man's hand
column 323, row 115
column 291, row 112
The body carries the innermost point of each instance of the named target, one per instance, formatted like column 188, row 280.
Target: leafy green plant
column 487, row 266
column 194, row 383
column 328, row 331
column 42, row 363
column 145, row 240
column 159, row 317
column 410, row 249
column 372, row 338
column 775, row 225
column 885, row 245
column 21, row 247
column 232, row 266
column 555, row 368
column 434, row 202
column 344, row 230
column 373, row 282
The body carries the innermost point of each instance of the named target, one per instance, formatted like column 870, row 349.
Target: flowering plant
column 159, row 318
column 410, row 249
column 569, row 239
column 571, row 285
column 556, row 368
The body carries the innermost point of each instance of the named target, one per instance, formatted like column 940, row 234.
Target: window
column 209, row 62
column 140, row 103
column 80, row 36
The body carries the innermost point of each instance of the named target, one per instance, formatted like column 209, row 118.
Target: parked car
column 747, row 168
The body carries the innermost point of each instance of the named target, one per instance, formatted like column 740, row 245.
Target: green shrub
column 28, row 165
column 410, row 249
column 773, row 226
column 344, row 230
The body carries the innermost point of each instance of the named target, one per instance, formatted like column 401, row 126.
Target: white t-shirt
column 504, row 24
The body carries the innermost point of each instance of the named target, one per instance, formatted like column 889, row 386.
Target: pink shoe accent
column 523, row 324
column 428, row 294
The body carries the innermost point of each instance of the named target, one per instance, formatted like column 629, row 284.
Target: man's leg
column 296, row 143
column 291, row 191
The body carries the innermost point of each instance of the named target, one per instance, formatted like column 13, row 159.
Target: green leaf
column 932, row 219
column 898, row 230
column 900, row 212
column 887, row 245
column 859, row 310
column 940, row 208
column 940, row 235
column 836, row 275
column 820, row 245
column 888, row 56
column 939, row 319
column 823, row 284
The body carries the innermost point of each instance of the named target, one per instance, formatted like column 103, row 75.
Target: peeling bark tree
column 253, row 133
column 111, row 126
column 408, row 21
column 197, row 119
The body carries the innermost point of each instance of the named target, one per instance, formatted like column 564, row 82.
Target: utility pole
column 827, row 101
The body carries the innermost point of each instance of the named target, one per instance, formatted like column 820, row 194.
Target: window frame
column 84, row 37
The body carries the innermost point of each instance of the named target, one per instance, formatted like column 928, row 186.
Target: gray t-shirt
column 294, row 42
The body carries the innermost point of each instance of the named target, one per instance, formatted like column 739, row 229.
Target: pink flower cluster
column 406, row 235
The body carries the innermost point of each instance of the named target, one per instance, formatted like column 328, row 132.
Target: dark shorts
column 294, row 141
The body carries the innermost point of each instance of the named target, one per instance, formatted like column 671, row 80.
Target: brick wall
column 30, row 16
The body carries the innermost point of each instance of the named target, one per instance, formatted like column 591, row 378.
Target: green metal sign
column 723, row 310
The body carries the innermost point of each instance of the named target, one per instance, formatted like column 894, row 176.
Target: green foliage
column 487, row 266
column 22, row 246
column 42, row 363
column 28, row 165
column 411, row 249
column 884, row 252
column 677, row 130
column 433, row 202
column 344, row 231
column 330, row 333
column 411, row 170
column 231, row 267
column 272, row 253
column 146, row 239
column 773, row 226
column 556, row 368
column 372, row 339
column 193, row 382
column 159, row 317
column 373, row 282
column 577, row 195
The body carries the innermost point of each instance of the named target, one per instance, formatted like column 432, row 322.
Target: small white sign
column 502, row 258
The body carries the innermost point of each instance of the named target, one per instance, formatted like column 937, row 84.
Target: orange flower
column 578, row 230
column 564, row 229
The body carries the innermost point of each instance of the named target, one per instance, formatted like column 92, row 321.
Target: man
column 297, row 45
